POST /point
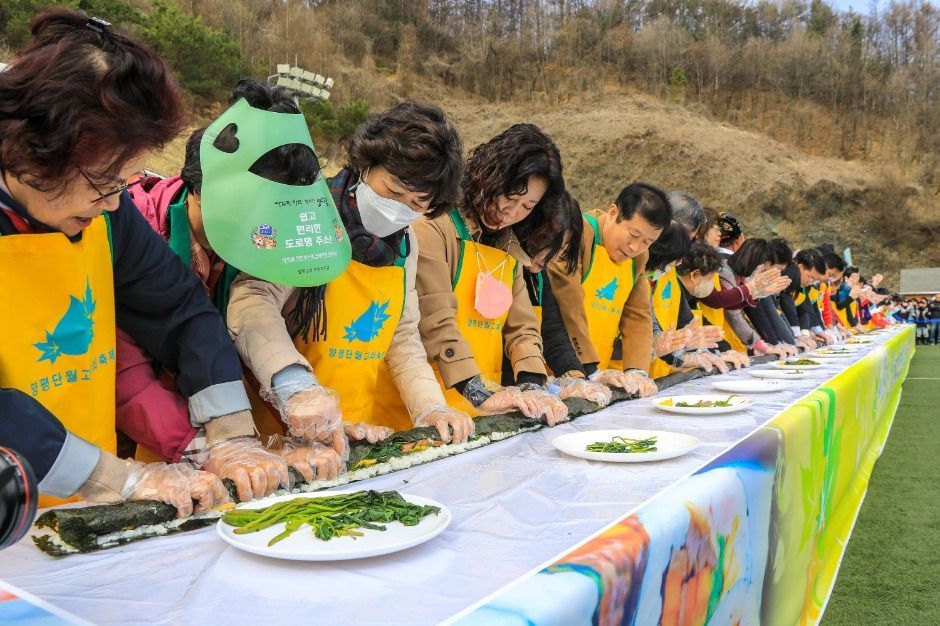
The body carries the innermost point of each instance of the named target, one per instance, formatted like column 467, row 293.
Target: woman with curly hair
column 340, row 353
column 474, row 303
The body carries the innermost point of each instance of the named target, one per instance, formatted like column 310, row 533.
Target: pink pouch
column 492, row 298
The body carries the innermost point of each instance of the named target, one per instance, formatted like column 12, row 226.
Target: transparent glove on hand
column 256, row 472
column 176, row 484
column 636, row 382
column 363, row 431
column 314, row 461
column 534, row 403
column 668, row 342
column 598, row 393
column 766, row 282
column 311, row 412
column 703, row 336
column 446, row 419
column 736, row 359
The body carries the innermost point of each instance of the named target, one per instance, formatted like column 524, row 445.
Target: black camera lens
column 18, row 497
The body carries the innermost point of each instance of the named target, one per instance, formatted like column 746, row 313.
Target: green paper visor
column 286, row 234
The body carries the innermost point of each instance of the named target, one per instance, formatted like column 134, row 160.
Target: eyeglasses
column 115, row 189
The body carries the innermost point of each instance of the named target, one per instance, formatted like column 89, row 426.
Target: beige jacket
column 256, row 313
column 437, row 264
column 636, row 321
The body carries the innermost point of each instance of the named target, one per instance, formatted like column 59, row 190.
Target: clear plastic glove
column 635, row 382
column 824, row 338
column 534, row 404
column 668, row 341
column 446, row 419
column 256, row 472
column 176, row 484
column 313, row 413
column 806, row 342
column 789, row 350
column 362, row 431
column 598, row 393
column 766, row 282
column 737, row 360
column 314, row 461
column 703, row 336
column 705, row 361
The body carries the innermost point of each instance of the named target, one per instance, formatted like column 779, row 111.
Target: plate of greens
column 704, row 404
column 797, row 363
column 626, row 446
column 333, row 526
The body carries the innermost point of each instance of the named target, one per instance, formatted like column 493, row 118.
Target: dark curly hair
column 502, row 167
column 290, row 164
column 417, row 144
column 567, row 219
column 83, row 97
column 701, row 257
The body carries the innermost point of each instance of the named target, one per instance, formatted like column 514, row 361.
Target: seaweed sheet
column 81, row 527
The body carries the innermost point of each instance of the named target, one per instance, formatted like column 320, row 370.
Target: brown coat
column 440, row 248
column 636, row 323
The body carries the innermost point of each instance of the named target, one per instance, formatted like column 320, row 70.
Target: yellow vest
column 666, row 303
column 607, row 286
column 59, row 329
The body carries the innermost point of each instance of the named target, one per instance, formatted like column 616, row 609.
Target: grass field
column 891, row 571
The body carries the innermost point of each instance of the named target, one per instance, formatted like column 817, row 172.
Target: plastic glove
column 705, row 361
column 806, row 342
column 598, row 393
column 362, row 431
column 766, row 282
column 668, row 342
column 257, row 472
column 314, row 461
column 736, row 359
column 703, row 336
column 313, row 413
column 175, row 484
column 635, row 382
column 445, row 419
column 788, row 349
column 534, row 403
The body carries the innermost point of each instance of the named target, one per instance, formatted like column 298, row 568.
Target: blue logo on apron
column 74, row 332
column 367, row 326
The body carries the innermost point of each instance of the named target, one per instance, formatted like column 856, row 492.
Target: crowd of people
column 922, row 311
column 144, row 365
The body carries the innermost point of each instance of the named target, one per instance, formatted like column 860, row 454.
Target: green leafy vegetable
column 333, row 516
column 802, row 362
column 706, row 404
column 622, row 445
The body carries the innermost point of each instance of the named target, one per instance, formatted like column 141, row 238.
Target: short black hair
column 812, row 259
column 649, row 201
column 752, row 254
column 834, row 261
column 851, row 269
column 701, row 257
column 792, row 272
column 290, row 164
column 781, row 251
column 673, row 244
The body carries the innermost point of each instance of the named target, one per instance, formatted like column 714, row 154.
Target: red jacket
column 150, row 410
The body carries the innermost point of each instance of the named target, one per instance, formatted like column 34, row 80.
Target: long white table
column 516, row 504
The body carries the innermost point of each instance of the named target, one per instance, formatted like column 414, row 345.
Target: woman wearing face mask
column 570, row 377
column 474, row 305
column 345, row 348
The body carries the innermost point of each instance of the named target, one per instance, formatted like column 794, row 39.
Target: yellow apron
column 60, row 348
column 666, row 301
column 716, row 317
column 364, row 306
column 606, row 289
column 484, row 336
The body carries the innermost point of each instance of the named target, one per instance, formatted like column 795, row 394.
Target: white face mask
column 703, row 289
column 382, row 216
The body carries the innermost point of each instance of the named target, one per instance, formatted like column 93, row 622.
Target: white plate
column 782, row 365
column 778, row 374
column 303, row 546
column 824, row 354
column 750, row 386
column 668, row 445
column 737, row 404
